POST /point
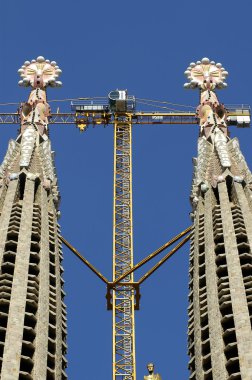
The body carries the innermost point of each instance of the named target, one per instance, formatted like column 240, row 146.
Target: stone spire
column 220, row 312
column 32, row 311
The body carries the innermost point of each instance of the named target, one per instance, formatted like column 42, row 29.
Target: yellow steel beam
column 124, row 367
column 153, row 254
column 186, row 114
column 85, row 261
column 118, row 281
column 97, row 118
column 164, row 259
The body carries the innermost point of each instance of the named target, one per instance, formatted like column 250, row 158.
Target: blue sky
column 145, row 47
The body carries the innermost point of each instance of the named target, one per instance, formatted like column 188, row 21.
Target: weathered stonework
column 32, row 312
column 220, row 298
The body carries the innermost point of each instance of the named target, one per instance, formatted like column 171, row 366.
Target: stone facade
column 32, row 312
column 220, row 310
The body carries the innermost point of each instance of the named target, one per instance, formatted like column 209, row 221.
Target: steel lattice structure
column 236, row 115
column 123, row 295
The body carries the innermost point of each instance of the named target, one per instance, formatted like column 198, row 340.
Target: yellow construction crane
column 123, row 293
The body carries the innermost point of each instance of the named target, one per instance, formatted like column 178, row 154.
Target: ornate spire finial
column 39, row 73
column 206, row 75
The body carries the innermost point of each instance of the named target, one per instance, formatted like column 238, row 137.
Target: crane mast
column 123, row 295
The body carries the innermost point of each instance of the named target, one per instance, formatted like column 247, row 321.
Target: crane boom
column 238, row 115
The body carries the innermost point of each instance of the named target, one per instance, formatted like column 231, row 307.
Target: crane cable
column 72, row 99
column 165, row 102
column 163, row 107
column 139, row 100
column 9, row 104
column 57, row 100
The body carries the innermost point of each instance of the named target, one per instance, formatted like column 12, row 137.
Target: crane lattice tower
column 32, row 312
column 220, row 310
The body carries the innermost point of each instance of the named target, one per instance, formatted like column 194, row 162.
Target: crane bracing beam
column 138, row 265
column 155, row 253
column 126, row 297
column 83, row 259
column 124, row 292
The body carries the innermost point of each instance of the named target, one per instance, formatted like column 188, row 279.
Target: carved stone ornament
column 206, row 74
column 39, row 73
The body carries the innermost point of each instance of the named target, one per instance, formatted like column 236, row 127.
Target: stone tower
column 32, row 311
column 220, row 298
